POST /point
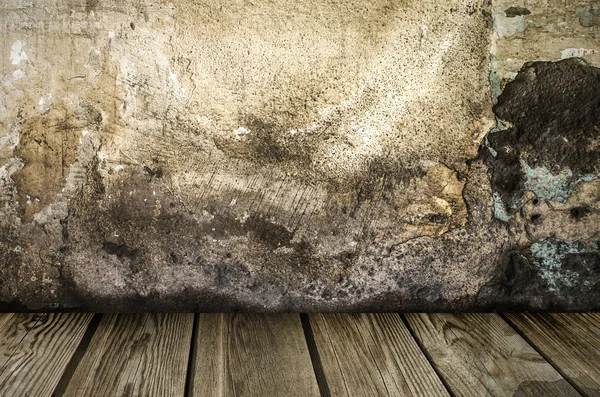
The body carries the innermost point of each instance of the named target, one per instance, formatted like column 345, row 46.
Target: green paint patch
column 495, row 80
column 549, row 256
column 499, row 208
column 544, row 184
column 588, row 17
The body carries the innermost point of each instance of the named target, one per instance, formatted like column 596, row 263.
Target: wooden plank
column 570, row 341
column 35, row 350
column 135, row 355
column 372, row 354
column 5, row 319
column 481, row 355
column 253, row 355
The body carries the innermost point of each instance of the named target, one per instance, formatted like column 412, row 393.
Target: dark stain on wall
column 512, row 12
column 548, row 275
column 554, row 113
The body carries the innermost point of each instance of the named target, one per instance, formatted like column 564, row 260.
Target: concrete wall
column 299, row 155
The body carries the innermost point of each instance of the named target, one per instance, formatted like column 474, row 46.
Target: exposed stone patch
column 48, row 146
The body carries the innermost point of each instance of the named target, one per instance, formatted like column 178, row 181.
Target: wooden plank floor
column 293, row 355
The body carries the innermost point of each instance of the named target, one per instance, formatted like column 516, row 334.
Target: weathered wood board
column 252, row 355
column 481, row 355
column 135, row 355
column 391, row 363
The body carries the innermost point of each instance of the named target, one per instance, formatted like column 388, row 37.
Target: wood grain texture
column 570, row 341
column 481, row 355
column 372, row 355
column 35, row 350
column 5, row 318
column 253, row 355
column 135, row 355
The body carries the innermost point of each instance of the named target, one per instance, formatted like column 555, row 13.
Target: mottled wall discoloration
column 314, row 156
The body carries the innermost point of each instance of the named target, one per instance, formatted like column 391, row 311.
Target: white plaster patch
column 205, row 122
column 10, row 167
column 12, row 139
column 84, row 133
column 243, row 218
column 576, row 52
column 18, row 74
column 17, row 55
column 25, row 4
column 241, row 131
column 507, row 27
column 446, row 45
column 44, row 103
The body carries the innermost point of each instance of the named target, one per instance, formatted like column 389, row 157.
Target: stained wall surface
column 299, row 155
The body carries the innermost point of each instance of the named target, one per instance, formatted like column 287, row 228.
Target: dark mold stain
column 555, row 115
column 269, row 142
column 120, row 250
column 536, row 219
column 586, row 265
column 228, row 274
column 580, row 212
column 91, row 5
column 11, row 262
column 519, row 283
column 555, row 110
column 156, row 172
column 506, row 175
column 270, row 233
column 512, row 12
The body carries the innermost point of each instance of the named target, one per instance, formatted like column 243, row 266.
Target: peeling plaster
column 17, row 54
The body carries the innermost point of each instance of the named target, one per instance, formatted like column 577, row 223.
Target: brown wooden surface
column 279, row 355
column 135, row 355
column 253, row 355
column 35, row 350
column 481, row 355
column 570, row 341
column 391, row 363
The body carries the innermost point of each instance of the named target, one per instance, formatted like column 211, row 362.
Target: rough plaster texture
column 302, row 156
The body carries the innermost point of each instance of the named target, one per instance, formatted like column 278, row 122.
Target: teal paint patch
column 544, row 184
column 491, row 149
column 495, row 91
column 499, row 208
column 548, row 258
column 588, row 17
column 495, row 79
column 501, row 125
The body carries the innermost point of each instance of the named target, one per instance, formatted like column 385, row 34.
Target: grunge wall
column 307, row 155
